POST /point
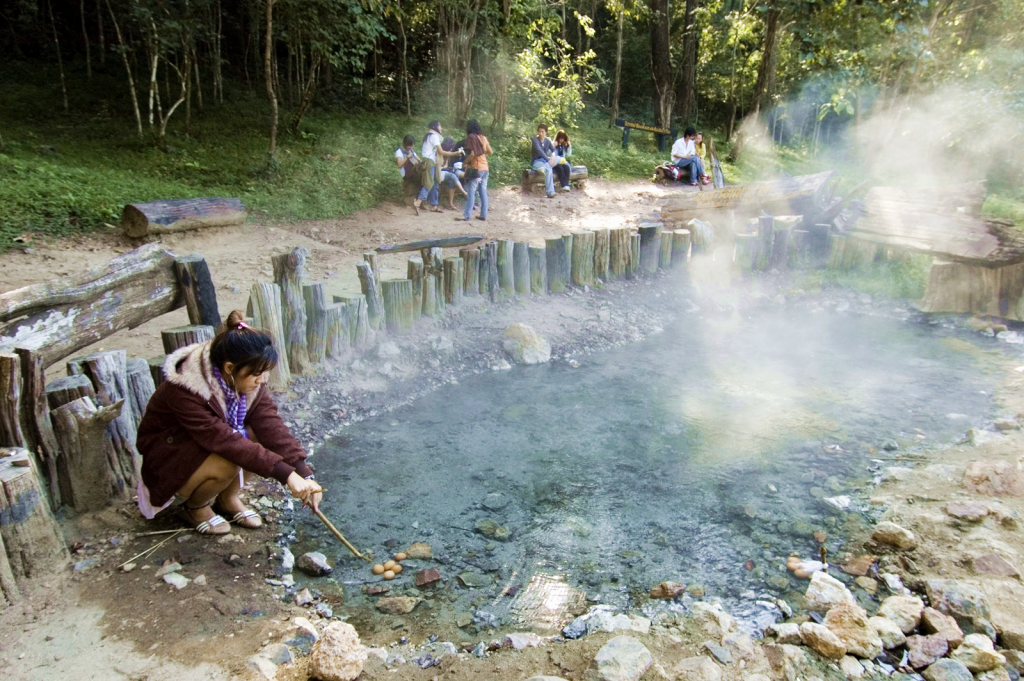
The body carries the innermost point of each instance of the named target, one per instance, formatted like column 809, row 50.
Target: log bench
column 577, row 176
column 181, row 215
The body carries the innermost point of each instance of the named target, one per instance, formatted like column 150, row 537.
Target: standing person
column 430, row 168
column 543, row 159
column 210, row 421
column 407, row 162
column 477, row 169
column 563, row 149
column 684, row 155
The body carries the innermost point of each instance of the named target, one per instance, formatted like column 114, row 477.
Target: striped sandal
column 246, row 518
column 215, row 525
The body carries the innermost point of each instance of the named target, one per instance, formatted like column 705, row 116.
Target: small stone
column 925, row 650
column 575, row 629
column 888, row 631
column 128, row 567
column 420, row 551
column 167, row 569
column 1014, row 660
column 935, row 622
column 490, row 528
column 397, row 605
column 479, row 649
column 667, row 590
column 997, row 674
column 851, row 667
column 622, row 658
column 463, row 620
column 338, row 655
column 265, row 669
column 892, row 534
column 427, row 578
column 301, row 634
column 695, row 590
column 784, row 632
column 278, row 653
column 303, row 598
column 1006, row 424
column 388, row 349
column 545, row 678
column 849, row 622
column 821, row 639
column 971, row 511
column 523, row 640
column 788, row 660
column 859, row 566
column 315, row 564
column 375, row 589
column 905, row 611
column 994, row 478
column 287, row 560
column 948, row 670
column 524, row 345
column 474, row 580
column 824, row 592
column 714, row 620
column 978, row 654
column 176, row 580
column 868, row 584
column 200, row 580
column 995, row 565
column 324, row 610
column 696, row 669
column 609, row 622
column 720, row 653
column 495, row 501
column 482, row 618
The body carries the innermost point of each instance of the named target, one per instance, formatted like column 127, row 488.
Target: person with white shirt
column 408, row 167
column 430, row 154
column 684, row 155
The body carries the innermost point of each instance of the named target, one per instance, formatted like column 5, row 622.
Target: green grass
column 905, row 277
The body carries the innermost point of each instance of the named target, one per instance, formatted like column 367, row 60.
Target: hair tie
column 242, row 325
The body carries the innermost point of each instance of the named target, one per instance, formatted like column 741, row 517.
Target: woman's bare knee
column 214, row 469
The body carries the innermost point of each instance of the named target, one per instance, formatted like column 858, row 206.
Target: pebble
column 667, row 590
column 925, row 650
column 315, row 564
column 523, row 640
column 397, row 605
column 720, row 653
column 904, row 611
column 167, row 569
column 200, row 580
column 948, row 670
column 576, row 628
column 427, row 578
column 978, row 654
column 893, row 535
column 479, row 649
column 420, row 551
column 490, row 528
column 303, row 598
column 485, row 619
column 474, row 580
column 324, row 610
column 176, row 580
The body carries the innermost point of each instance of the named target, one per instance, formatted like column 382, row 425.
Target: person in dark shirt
column 543, row 159
column 563, row 149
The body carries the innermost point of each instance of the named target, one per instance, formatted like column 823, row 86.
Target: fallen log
column 806, row 195
column 531, row 178
column 93, row 475
column 441, row 242
column 181, row 215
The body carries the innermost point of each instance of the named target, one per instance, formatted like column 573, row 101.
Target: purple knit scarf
column 235, row 405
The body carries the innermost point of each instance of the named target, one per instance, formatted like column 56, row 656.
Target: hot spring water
column 703, row 456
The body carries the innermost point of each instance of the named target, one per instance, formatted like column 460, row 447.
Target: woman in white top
column 431, row 169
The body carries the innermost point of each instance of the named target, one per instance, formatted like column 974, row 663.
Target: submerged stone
column 420, row 551
column 490, row 528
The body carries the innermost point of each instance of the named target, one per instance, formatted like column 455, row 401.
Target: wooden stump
column 290, row 276
column 618, row 252
column 650, row 248
column 371, row 290
column 506, row 266
column 538, row 270
column 31, row 543
column 583, row 258
column 680, row 248
column 470, row 270
column 90, row 466
column 397, row 294
column 665, row 261
column 837, row 244
column 182, row 336
column 60, row 391
column 521, row 267
column 371, row 257
column 493, row 285
column 483, row 272
column 602, row 253
column 36, row 426
column 453, row 280
column 634, row 255
column 156, row 369
column 745, row 250
column 567, row 255
column 315, row 297
column 265, row 307
column 766, row 237
column 781, row 245
column 433, row 269
column 197, row 287
column 108, row 372
column 414, row 272
column 360, row 335
column 140, row 387
column 337, row 346
column 556, row 265
column 10, row 401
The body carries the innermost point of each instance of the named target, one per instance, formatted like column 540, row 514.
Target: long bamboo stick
column 340, row 536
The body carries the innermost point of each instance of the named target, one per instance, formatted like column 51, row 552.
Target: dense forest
column 801, row 73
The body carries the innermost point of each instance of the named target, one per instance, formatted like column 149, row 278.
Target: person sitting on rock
column 407, row 161
column 684, row 155
column 563, row 150
column 211, row 421
column 543, row 159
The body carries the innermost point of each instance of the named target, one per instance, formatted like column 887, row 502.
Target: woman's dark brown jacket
column 184, row 423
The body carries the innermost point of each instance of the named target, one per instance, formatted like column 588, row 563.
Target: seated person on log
column 543, row 159
column 451, row 171
column 407, row 162
column 563, row 149
column 684, row 155
column 704, row 149
column 213, row 420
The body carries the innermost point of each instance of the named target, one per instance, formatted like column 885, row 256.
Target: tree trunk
column 85, row 39
column 60, row 60
column 618, row 67
column 308, row 92
column 764, row 88
column 268, row 75
column 218, row 83
column 127, row 68
column 661, row 64
column 688, row 80
column 100, row 32
column 405, row 72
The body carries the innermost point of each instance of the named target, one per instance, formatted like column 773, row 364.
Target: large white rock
column 606, row 621
column 622, row 658
column 821, row 639
column 892, row 534
column 338, row 655
column 888, row 631
column 825, row 592
column 525, row 346
column 978, row 654
column 697, row 669
column 905, row 611
column 849, row 622
column 712, row 618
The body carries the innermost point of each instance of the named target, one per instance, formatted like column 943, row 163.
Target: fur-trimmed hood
column 190, row 368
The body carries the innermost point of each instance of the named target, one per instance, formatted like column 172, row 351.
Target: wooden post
column 371, row 290
column 483, row 272
column 181, row 336
column 90, row 467
column 538, row 270
column 521, row 267
column 36, row 426
column 433, row 270
column 837, row 245
column 766, row 238
column 567, row 257
column 397, row 295
column 356, row 320
column 602, row 253
column 265, row 306
column 108, row 372
column 665, row 261
column 31, row 542
column 493, row 285
column 781, row 245
column 453, row 280
column 10, row 401
column 745, row 251
column 60, row 391
column 680, row 248
column 315, row 297
column 414, row 272
column 618, row 252
column 197, row 287
column 290, row 276
column 156, row 369
column 338, row 336
column 557, row 272
column 506, row 266
column 371, row 257
column 140, row 387
column 583, row 258
column 634, row 255
column 650, row 247
column 470, row 270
